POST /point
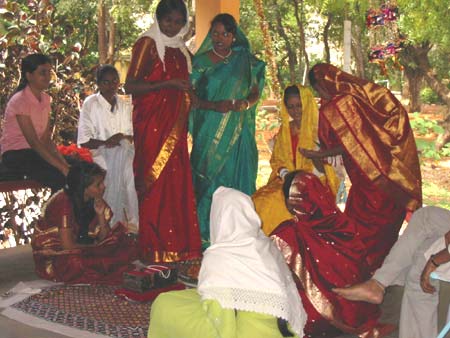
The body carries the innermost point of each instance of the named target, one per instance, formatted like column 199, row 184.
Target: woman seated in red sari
column 321, row 246
column 73, row 242
column 369, row 127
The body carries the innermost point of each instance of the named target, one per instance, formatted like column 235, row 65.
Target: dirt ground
column 435, row 173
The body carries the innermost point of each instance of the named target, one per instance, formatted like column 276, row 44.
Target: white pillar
column 347, row 45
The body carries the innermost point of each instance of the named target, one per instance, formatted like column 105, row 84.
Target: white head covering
column 243, row 269
column 162, row 41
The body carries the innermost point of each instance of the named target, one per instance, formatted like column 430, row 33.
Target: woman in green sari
column 228, row 81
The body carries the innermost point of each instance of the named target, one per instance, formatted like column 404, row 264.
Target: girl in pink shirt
column 26, row 143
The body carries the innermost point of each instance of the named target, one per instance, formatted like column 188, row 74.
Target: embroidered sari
column 380, row 155
column 103, row 263
column 224, row 150
column 269, row 200
column 325, row 252
column 168, row 227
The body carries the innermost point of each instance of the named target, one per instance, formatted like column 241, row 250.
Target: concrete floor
column 16, row 264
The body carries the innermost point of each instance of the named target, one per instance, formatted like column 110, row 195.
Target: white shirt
column 97, row 121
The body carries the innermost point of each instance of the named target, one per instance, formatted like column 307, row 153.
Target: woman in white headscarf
column 158, row 79
column 245, row 287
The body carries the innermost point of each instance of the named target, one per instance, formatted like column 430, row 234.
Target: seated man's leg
column 418, row 317
column 426, row 225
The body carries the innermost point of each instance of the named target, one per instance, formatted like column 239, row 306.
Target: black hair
column 283, row 328
column 290, row 91
column 288, row 178
column 103, row 70
column 227, row 20
column 29, row 64
column 312, row 77
column 165, row 7
column 81, row 175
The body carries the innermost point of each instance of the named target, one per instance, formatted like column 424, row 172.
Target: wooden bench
column 14, row 185
column 12, row 180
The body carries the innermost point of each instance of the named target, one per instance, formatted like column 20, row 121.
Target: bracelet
column 433, row 262
column 283, row 173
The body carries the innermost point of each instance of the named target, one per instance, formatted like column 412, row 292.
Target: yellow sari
column 269, row 199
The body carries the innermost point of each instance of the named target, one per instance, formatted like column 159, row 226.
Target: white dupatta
column 243, row 269
column 162, row 41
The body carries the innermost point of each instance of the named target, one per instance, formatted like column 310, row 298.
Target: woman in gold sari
column 369, row 127
column 299, row 122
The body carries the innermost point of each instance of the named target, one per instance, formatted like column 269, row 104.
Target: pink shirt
column 24, row 103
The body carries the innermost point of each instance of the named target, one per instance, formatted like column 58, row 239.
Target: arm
column 442, row 257
column 320, row 154
column 44, row 146
column 249, row 101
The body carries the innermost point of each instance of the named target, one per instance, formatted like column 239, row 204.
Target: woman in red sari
column 370, row 128
column 322, row 248
column 73, row 242
column 158, row 79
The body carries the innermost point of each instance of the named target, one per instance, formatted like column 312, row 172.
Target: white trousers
column 404, row 265
column 120, row 192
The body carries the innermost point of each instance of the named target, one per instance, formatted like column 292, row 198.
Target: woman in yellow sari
column 299, row 123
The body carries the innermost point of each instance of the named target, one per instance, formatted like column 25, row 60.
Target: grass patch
column 435, row 195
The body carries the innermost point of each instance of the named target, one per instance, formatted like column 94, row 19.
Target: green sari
column 224, row 149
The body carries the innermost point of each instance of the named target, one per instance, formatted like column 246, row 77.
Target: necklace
column 223, row 57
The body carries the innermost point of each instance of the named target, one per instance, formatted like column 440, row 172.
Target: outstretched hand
column 114, row 140
column 312, row 154
column 223, row 106
column 179, row 84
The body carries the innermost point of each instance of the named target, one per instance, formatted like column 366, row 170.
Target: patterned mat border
column 54, row 315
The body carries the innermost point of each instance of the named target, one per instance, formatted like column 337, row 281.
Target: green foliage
column 427, row 95
column 424, row 126
column 435, row 195
column 37, row 28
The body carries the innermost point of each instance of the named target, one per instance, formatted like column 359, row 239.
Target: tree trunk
column 292, row 59
column 270, row 57
column 418, row 54
column 414, row 84
column 358, row 53
column 111, row 40
column 325, row 34
column 298, row 12
column 101, row 29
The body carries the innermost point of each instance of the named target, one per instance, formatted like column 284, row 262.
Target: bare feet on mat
column 370, row 291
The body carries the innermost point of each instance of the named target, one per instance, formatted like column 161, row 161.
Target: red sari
column 104, row 263
column 380, row 156
column 168, row 225
column 325, row 252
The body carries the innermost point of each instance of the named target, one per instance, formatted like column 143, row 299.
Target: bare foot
column 370, row 291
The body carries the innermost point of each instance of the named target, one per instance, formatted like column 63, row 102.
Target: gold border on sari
column 169, row 145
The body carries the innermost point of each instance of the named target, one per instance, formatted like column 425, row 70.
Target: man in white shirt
column 105, row 127
column 422, row 249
